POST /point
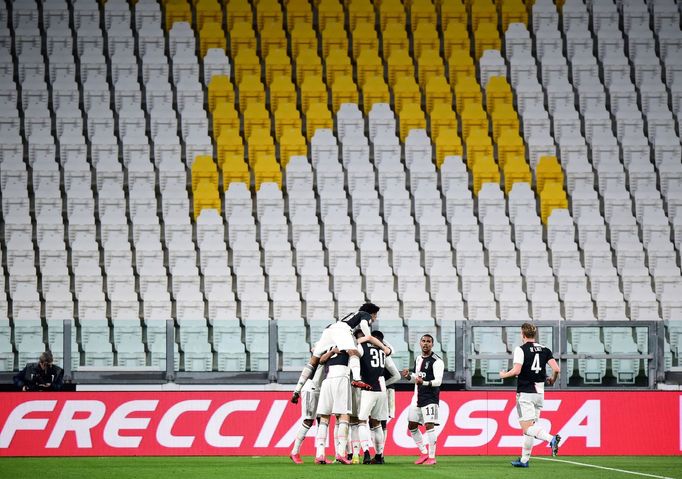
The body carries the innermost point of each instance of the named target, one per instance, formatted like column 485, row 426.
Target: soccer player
column 374, row 403
column 427, row 377
column 340, row 335
column 310, row 395
column 530, row 361
column 334, row 399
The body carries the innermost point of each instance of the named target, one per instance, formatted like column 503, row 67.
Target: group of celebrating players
column 362, row 406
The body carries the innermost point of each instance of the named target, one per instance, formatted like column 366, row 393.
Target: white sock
column 336, row 437
column 538, row 433
column 300, row 436
column 527, row 447
column 354, row 365
column 321, row 438
column 378, row 437
column 418, row 440
column 431, row 437
column 355, row 438
column 343, row 439
column 365, row 443
column 307, row 372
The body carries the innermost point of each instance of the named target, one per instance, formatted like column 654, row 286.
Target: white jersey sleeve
column 391, row 368
column 518, row 355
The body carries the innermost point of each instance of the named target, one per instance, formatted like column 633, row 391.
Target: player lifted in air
column 530, row 362
column 340, row 335
column 427, row 377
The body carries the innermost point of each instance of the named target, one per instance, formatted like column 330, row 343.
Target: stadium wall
column 265, row 423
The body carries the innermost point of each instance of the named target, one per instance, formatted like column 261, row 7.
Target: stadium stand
column 232, row 164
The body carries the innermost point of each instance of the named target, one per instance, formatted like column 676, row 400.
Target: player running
column 310, row 395
column 530, row 362
column 340, row 335
column 427, row 377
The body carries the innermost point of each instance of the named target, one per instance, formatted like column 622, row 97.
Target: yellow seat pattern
column 509, row 144
column 246, row 62
column 442, row 117
column 422, row 11
column 516, row 170
column 229, row 143
column 478, row 145
column 242, row 36
column 448, row 143
column 211, row 35
column 483, row 11
column 513, row 11
column 437, row 91
column 425, row 36
column 224, row 116
column 292, row 143
column 308, row 65
column 456, row 37
column 473, row 116
column 460, row 65
column 298, row 13
column 369, row 64
column 334, row 36
column 548, row 169
column 329, row 11
column 272, row 36
column 429, row 65
column 399, row 66
column 364, row 38
column 177, row 11
column 411, row 117
column 504, row 118
column 238, row 11
column 552, row 196
column 256, row 116
column 344, row 90
column 250, row 90
column 267, row 170
column 220, row 89
column 317, row 116
column 374, row 90
column 302, row 36
column 405, row 91
column 360, row 11
column 452, row 11
column 282, row 90
column 268, row 11
column 486, row 37
column 204, row 169
column 337, row 63
column 485, row 171
column 208, row 11
column 391, row 11
column 497, row 91
column 286, row 116
column 313, row 90
column 205, row 197
column 467, row 92
column 235, row 170
column 260, row 144
column 277, row 63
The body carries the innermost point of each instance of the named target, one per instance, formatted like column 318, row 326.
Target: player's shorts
column 334, row 396
column 424, row 415
column 390, row 396
column 309, row 400
column 339, row 335
column 528, row 406
column 373, row 404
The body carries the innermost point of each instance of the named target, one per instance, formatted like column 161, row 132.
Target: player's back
column 372, row 366
column 533, row 358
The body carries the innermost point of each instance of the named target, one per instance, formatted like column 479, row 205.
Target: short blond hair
column 529, row 330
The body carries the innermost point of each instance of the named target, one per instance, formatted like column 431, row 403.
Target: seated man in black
column 40, row 376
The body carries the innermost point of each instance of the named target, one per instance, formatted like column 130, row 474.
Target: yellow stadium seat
column 334, row 36
column 291, row 143
column 467, row 92
column 282, row 90
column 552, row 196
column 344, row 90
column 260, row 144
column 425, row 36
column 399, row 66
column 486, row 37
column 516, row 170
column 364, row 38
column 208, row 11
column 456, row 37
column 437, row 91
column 206, row 197
column 286, row 117
column 267, row 170
column 238, row 11
column 256, row 116
column 513, row 11
column 177, row 11
column 509, row 144
column 242, row 36
column 224, row 116
column 250, row 90
column 317, row 116
column 277, row 63
column 473, row 116
column 405, row 91
column 504, row 118
column 308, row 65
column 302, row 36
column 374, row 90
column 313, row 90
column 391, row 11
column 485, row 171
column 478, row 144
column 298, row 13
column 360, row 11
column 246, row 62
column 211, row 35
column 448, row 143
column 460, row 65
column 429, row 65
column 483, row 11
column 272, row 36
column 422, row 11
column 394, row 36
column 220, row 89
column 548, row 169
column 329, row 11
column 229, row 143
column 268, row 11
column 204, row 169
column 452, row 11
column 497, row 92
column 235, row 169
column 442, row 117
column 337, row 64
column 411, row 117
column 369, row 64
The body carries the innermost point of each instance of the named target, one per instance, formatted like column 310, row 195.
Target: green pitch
column 470, row 467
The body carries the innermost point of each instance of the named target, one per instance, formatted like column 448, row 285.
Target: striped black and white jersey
column 533, row 358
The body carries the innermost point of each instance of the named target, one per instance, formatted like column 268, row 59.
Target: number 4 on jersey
column 536, row 364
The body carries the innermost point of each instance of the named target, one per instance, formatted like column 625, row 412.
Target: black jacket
column 35, row 379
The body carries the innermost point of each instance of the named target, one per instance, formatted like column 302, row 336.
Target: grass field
column 471, row 467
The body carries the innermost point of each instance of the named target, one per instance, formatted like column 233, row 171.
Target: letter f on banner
column 17, row 420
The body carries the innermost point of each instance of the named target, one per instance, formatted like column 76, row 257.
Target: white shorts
column 373, row 404
column 390, row 396
column 334, row 396
column 355, row 401
column 309, row 400
column 339, row 335
column 528, row 406
column 424, row 415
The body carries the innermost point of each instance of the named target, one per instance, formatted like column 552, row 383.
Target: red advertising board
column 265, row 423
